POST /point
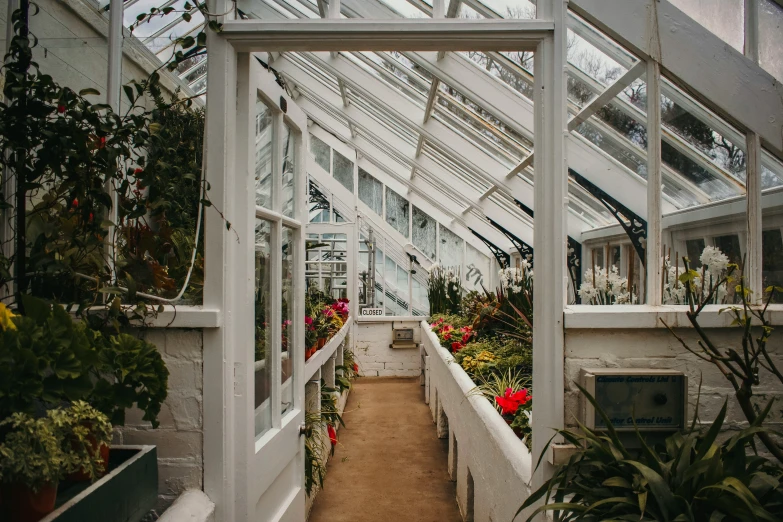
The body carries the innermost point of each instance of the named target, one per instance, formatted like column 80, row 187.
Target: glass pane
column 424, row 232
column 370, row 191
column 772, row 260
column 288, row 326
column 477, row 267
column 343, row 170
column 723, row 18
column 770, row 34
column 321, row 152
column 694, row 249
column 450, row 254
column 289, row 172
column 397, row 211
column 263, row 410
column 730, row 246
column 263, row 155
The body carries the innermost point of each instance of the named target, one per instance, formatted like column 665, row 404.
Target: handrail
column 324, row 354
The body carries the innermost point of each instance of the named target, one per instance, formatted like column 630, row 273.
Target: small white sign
column 372, row 311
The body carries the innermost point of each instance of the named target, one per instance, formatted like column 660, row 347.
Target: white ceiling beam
column 312, row 91
column 478, row 161
column 385, row 35
column 420, row 192
column 431, row 98
column 607, row 95
column 713, row 72
column 322, row 8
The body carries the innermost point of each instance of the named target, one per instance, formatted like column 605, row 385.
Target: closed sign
column 372, row 311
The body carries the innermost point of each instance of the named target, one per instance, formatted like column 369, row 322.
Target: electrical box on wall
column 654, row 401
column 402, row 338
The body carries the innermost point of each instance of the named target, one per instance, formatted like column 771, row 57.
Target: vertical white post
column 9, row 189
column 754, row 227
column 219, row 157
column 334, row 9
column 439, row 8
column 654, row 182
column 113, row 83
column 550, row 237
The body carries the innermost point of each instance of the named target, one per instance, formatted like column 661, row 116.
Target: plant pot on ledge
column 21, row 504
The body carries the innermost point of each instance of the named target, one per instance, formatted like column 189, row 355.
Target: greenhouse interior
column 274, row 260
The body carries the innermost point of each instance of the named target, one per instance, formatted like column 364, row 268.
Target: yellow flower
column 5, row 318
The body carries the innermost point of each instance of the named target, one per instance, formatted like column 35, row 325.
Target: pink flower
column 328, row 312
column 308, row 320
column 287, row 322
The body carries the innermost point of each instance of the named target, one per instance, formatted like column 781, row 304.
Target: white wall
column 659, row 349
column 481, row 444
column 73, row 47
column 179, row 437
column 376, row 359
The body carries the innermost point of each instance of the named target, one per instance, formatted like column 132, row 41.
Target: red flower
column 61, row 108
column 510, row 402
column 446, row 337
column 332, row 434
column 138, row 171
column 75, row 202
column 102, row 142
column 465, row 338
column 91, row 217
column 355, row 367
column 456, row 346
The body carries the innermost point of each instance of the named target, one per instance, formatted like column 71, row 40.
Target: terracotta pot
column 83, row 476
column 310, row 351
column 321, row 342
column 24, row 505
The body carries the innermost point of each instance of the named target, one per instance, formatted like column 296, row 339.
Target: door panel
column 269, row 355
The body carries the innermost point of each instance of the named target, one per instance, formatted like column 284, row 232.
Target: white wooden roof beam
column 420, row 192
column 703, row 65
column 424, row 164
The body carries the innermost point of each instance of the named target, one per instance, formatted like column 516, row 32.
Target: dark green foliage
column 691, row 477
column 50, row 359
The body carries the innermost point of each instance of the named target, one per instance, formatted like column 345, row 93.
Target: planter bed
column 125, row 494
column 491, row 465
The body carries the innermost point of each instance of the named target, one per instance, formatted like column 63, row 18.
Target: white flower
column 715, row 260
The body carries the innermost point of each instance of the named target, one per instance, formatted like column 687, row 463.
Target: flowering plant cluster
column 444, row 290
column 714, row 272
column 324, row 317
column 456, row 338
column 510, row 402
column 516, row 280
column 479, row 363
column 602, row 287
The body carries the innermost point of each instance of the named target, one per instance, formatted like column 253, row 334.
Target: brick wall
column 179, row 437
column 376, row 359
column 659, row 349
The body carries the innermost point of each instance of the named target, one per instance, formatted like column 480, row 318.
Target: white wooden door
column 269, row 356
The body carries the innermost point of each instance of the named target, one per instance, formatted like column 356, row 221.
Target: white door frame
column 544, row 36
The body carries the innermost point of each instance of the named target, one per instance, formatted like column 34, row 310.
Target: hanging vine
column 64, row 160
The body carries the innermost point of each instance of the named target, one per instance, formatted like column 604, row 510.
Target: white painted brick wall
column 659, row 349
column 376, row 359
column 179, row 437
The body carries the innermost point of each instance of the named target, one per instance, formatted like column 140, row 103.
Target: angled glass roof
column 470, row 147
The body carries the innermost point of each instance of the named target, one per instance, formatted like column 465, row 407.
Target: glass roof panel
column 771, row 37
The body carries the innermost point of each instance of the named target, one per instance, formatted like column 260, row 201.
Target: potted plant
column 31, row 464
column 85, row 434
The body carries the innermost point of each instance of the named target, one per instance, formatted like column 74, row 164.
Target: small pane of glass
column 729, row 245
column 342, row 168
column 289, row 172
column 424, row 232
column 288, row 327
column 262, row 372
column 370, row 191
column 694, row 247
column 772, row 259
column 477, row 267
column 263, row 154
column 321, row 152
column 450, row 254
column 397, row 211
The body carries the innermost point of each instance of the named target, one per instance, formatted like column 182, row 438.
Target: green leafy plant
column 82, row 430
column 691, row 477
column 47, row 358
column 320, row 438
column 742, row 363
column 31, row 452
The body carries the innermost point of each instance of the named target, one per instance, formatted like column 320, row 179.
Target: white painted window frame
column 546, row 36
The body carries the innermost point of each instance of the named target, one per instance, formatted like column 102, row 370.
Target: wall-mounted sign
column 372, row 312
column 654, row 400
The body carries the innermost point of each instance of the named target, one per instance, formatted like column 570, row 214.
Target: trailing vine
column 69, row 157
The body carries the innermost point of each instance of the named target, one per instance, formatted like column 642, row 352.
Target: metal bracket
column 317, row 197
column 574, row 259
column 525, row 250
column 502, row 257
column 634, row 226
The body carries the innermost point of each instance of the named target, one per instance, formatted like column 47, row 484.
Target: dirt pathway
column 389, row 464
